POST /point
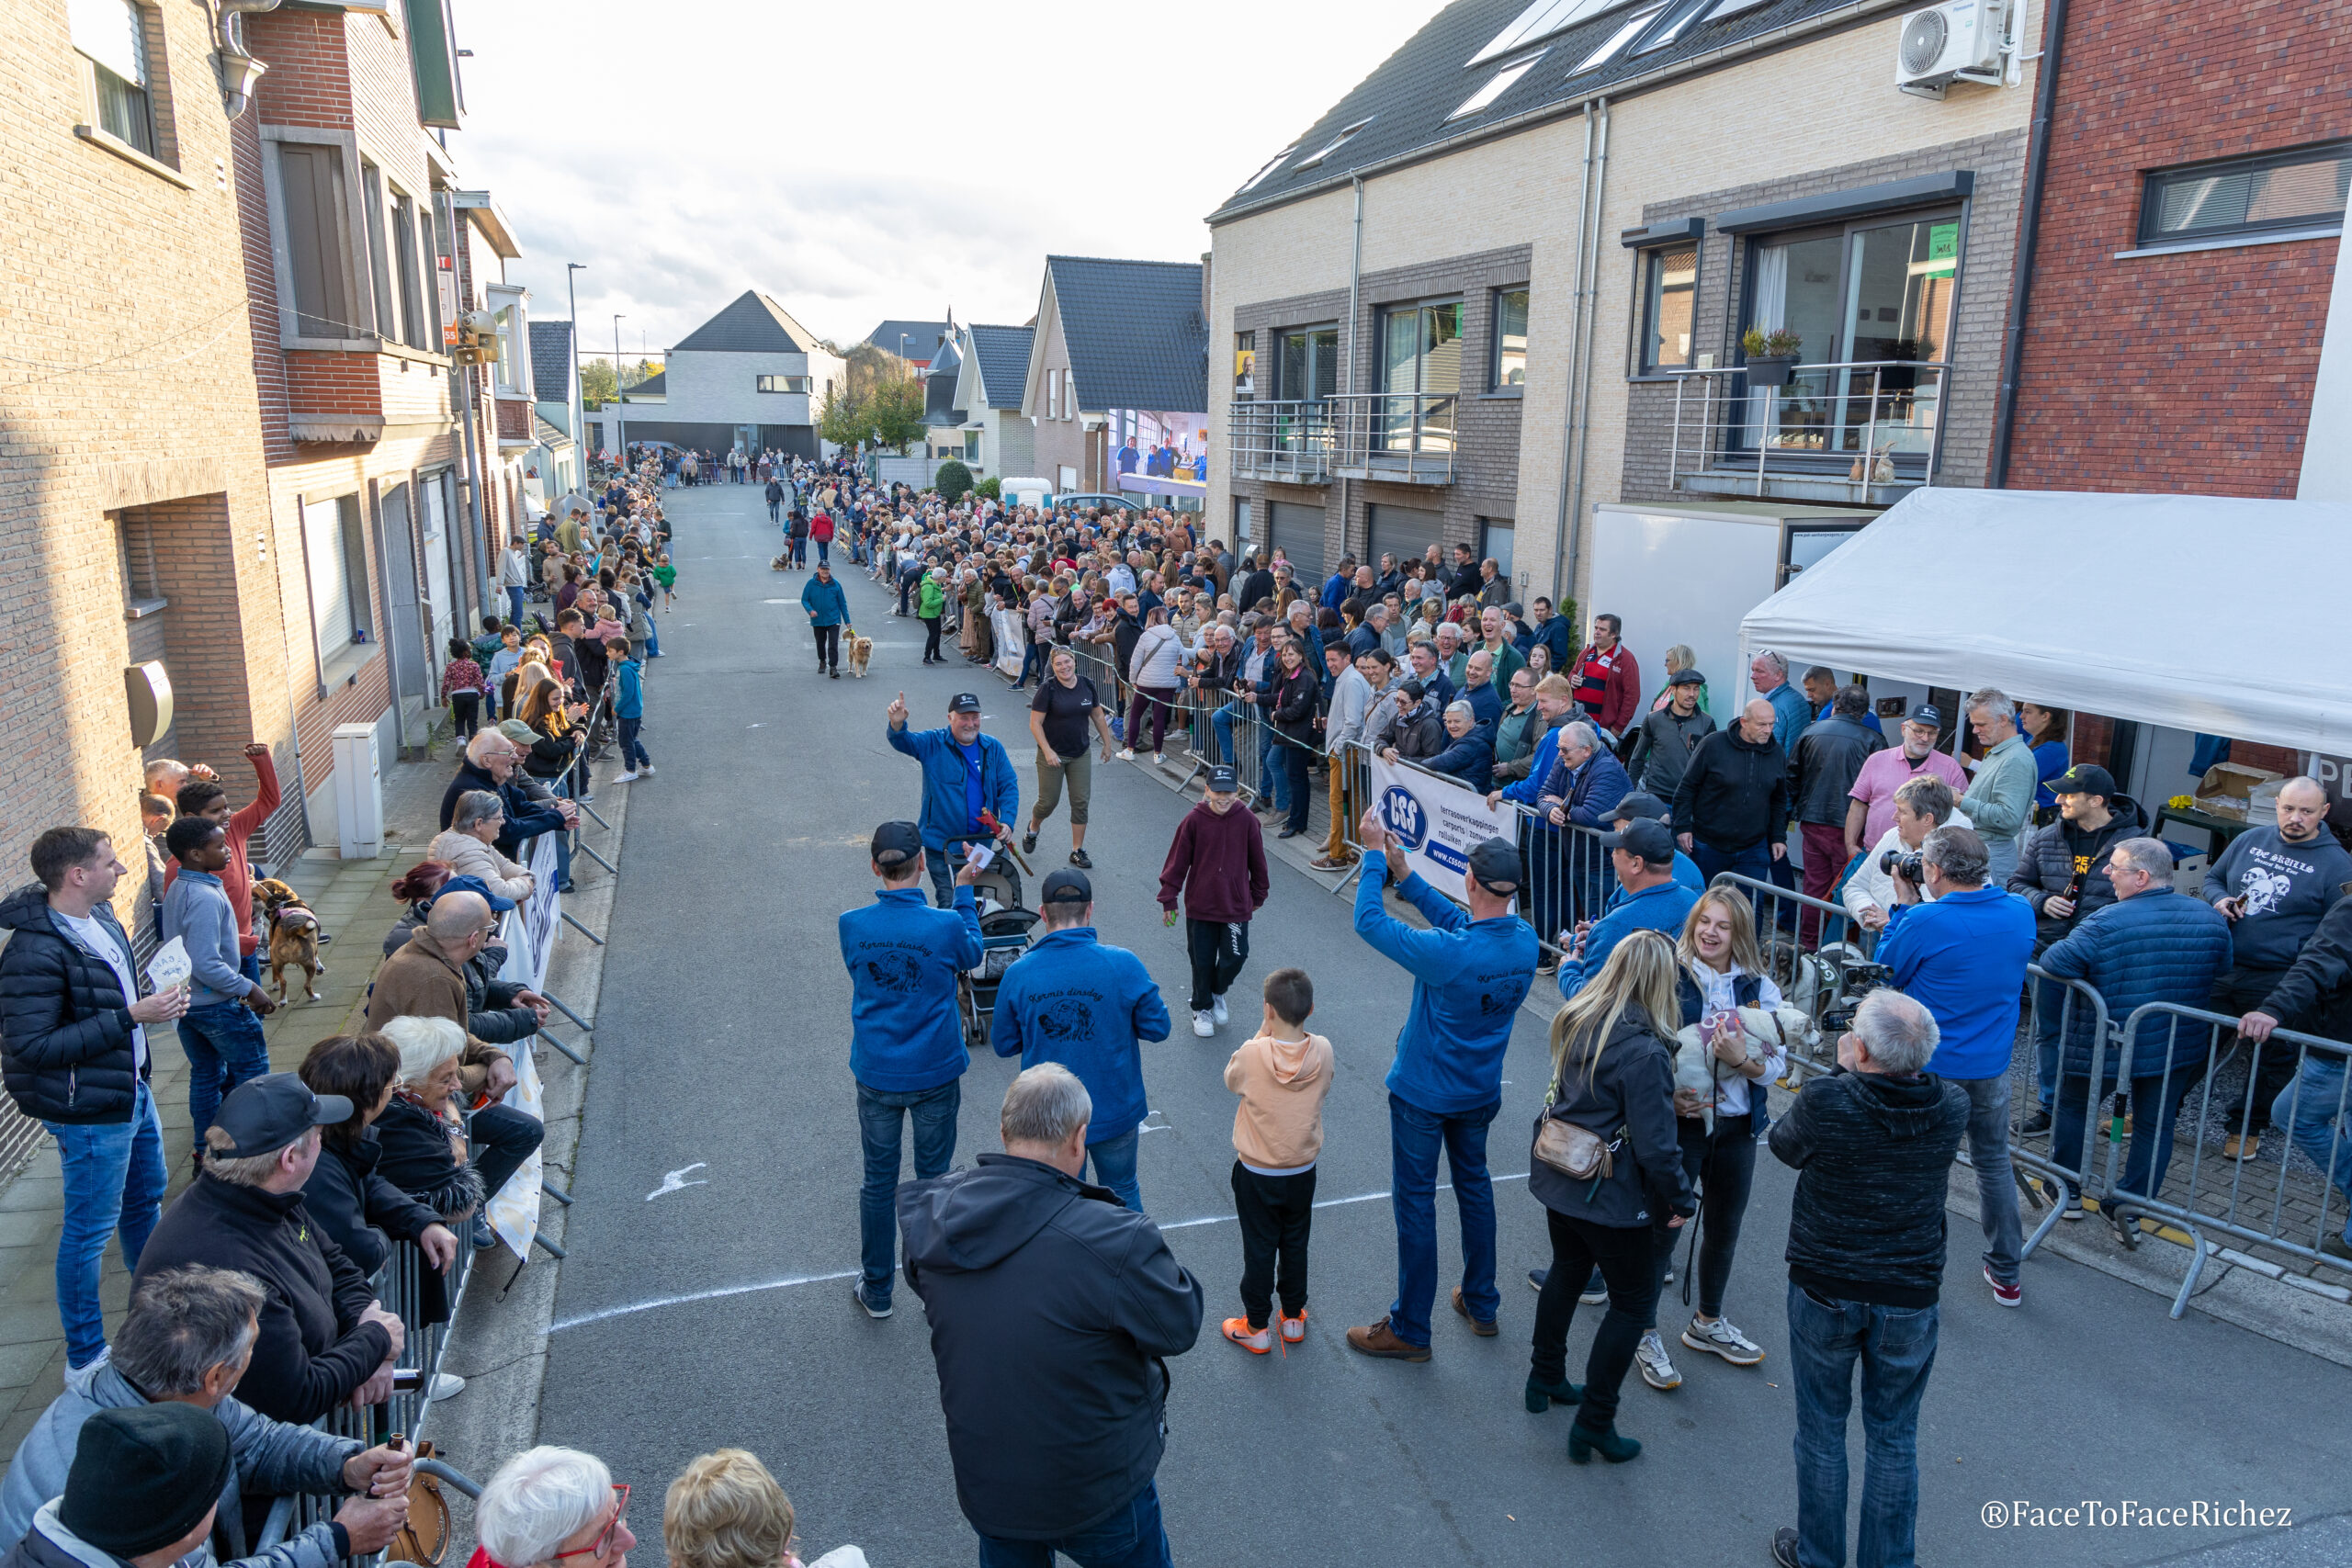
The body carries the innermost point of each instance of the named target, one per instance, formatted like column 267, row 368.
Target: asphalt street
column 706, row 1298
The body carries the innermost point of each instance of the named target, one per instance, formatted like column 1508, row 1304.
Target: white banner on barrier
column 528, row 932
column 1011, row 641
column 1436, row 821
column 513, row 1210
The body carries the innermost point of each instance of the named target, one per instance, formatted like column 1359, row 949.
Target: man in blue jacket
column 1962, row 957
column 906, row 1048
column 1085, row 1004
column 2150, row 945
column 1470, row 973
column 970, row 794
column 1583, row 788
column 1642, row 853
column 828, row 609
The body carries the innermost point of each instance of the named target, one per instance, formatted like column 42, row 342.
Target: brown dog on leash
column 293, row 935
column 861, row 651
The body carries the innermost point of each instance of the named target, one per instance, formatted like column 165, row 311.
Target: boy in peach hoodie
column 1282, row 1074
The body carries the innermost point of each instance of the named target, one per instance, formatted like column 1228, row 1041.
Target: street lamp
column 578, row 409
column 620, row 400
column 902, row 355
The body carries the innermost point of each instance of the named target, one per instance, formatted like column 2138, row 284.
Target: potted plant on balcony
column 1771, row 355
column 1903, row 377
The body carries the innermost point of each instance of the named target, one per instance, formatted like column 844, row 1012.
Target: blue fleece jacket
column 1964, row 958
column 825, row 601
column 1469, row 978
column 1660, row 909
column 1076, row 1000
column 195, row 910
column 945, row 814
column 629, row 701
column 906, row 1032
column 1686, row 874
column 1539, row 771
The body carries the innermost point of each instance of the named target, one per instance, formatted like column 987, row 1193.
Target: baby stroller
column 1004, row 936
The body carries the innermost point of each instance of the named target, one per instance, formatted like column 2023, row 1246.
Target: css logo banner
column 1435, row 821
column 1403, row 817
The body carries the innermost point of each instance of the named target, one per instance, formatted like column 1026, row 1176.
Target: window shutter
column 330, row 593
column 109, row 32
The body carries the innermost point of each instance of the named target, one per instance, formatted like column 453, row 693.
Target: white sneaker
column 1204, row 1024
column 1657, row 1368
column 1127, row 754
column 445, row 1385
column 1721, row 1338
column 624, row 778
column 645, row 770
column 1216, row 1009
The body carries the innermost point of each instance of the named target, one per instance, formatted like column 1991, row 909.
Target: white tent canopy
column 2199, row 612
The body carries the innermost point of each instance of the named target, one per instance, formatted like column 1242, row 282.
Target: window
column 1732, row 8
column 310, row 177
column 1495, row 535
column 971, row 446
column 509, row 378
column 1669, row 287
column 1309, row 367
column 1245, row 364
column 1538, row 22
column 1053, row 394
column 1334, row 144
column 1673, row 25
column 408, row 279
column 1508, row 363
column 335, row 549
column 1616, row 42
column 379, row 256
column 1272, row 165
column 142, row 581
column 1496, row 85
column 1421, row 355
column 111, row 37
column 2300, row 189
column 783, row 383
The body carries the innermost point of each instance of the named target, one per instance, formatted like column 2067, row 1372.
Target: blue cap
column 477, row 886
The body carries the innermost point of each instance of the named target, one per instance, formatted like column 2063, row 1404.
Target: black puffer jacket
column 1873, row 1156
column 2047, row 863
column 418, row 1159
column 358, row 1208
column 1829, row 755
column 65, row 1051
column 1628, row 1100
column 1735, row 792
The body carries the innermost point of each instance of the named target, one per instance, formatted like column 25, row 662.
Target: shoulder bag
column 1574, row 1151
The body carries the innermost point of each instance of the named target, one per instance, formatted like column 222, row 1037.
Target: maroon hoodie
column 1218, row 864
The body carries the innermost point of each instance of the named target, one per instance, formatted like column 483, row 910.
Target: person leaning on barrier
column 498, row 1013
column 2151, row 945
column 187, row 1341
column 1290, row 709
column 143, row 1492
column 489, row 764
column 1519, row 728
column 437, row 1079
column 360, row 1211
column 1052, row 1309
column 1922, row 803
column 1469, row 754
column 1960, row 949
column 2314, row 996
column 323, row 1337
column 552, row 1508
column 1346, row 710
column 1478, row 687
column 1872, row 1146
column 2274, row 883
column 469, row 846
column 1417, row 732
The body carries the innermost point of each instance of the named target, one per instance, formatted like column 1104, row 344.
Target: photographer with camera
column 1922, row 803
column 1960, row 949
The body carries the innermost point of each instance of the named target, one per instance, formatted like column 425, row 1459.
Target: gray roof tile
column 1003, row 353
column 921, row 337
column 1135, row 332
column 551, row 360
column 753, row 324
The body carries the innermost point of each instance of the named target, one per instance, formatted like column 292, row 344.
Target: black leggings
column 1627, row 1258
column 930, row 638
column 1723, row 1166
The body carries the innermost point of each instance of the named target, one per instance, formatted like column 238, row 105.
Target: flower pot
column 1772, row 371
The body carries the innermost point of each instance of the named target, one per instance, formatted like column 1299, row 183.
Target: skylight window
column 1254, row 181
column 1673, row 26
column 1733, row 7
column 1495, row 85
column 1618, row 40
column 1333, row 145
column 1540, row 21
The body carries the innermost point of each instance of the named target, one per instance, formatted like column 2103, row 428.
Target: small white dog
column 1768, row 1032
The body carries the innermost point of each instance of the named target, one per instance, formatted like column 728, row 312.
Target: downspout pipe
column 2036, row 169
column 1348, row 378
column 1592, row 243
column 1560, row 546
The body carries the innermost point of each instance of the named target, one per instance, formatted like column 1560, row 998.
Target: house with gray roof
column 917, row 343
column 1118, row 369
column 555, row 458
column 750, row 377
column 973, row 396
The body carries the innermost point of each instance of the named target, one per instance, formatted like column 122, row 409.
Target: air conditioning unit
column 1960, row 40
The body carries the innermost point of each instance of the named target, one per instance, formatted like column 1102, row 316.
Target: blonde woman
column 1612, row 1074
column 1677, row 658
column 726, row 1511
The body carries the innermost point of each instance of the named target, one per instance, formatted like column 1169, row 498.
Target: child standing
column 1282, row 1074
column 1218, row 864
column 461, row 688
column 509, row 656
column 629, row 710
column 221, row 1030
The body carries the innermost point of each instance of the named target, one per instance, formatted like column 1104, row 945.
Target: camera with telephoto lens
column 1910, row 867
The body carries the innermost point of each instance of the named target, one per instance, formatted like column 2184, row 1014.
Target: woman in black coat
column 360, row 1211
column 1291, row 706
column 1612, row 1074
column 419, row 1132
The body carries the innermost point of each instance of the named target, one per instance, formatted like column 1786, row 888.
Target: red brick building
column 2183, row 247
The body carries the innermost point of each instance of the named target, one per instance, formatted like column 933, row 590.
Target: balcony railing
column 1861, row 430
column 1401, row 437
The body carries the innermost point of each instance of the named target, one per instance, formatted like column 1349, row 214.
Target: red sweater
column 237, row 877
column 1607, row 696
column 1218, row 864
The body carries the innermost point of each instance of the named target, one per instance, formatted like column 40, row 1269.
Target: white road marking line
column 1325, row 1203
column 720, row 1294
column 675, row 1181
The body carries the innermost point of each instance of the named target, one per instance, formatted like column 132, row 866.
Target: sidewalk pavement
column 354, row 904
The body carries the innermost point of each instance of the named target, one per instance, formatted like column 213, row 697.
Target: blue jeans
column 1996, row 1189
column 1897, row 1347
column 879, row 1113
column 632, row 750
column 1132, row 1536
column 824, row 551
column 943, row 864
column 2312, row 1110
column 1754, row 862
column 114, row 1183
column 1414, row 1136
column 225, row 1047
column 1221, row 722
column 1113, row 1161
column 2156, row 1106
column 514, row 605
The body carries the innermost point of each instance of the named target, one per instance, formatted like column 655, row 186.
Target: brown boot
column 1485, row 1328
column 1378, row 1340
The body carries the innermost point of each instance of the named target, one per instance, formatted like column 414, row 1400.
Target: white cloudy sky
column 877, row 158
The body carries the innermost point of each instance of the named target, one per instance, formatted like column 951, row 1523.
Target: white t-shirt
column 100, row 940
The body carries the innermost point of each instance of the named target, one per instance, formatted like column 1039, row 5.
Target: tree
column 990, row 489
column 870, row 368
column 843, row 421
column 894, row 414
column 953, row 482
column 597, row 384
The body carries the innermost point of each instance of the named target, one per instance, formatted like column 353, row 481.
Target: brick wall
column 2191, row 371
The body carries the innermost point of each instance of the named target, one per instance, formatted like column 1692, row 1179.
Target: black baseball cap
column 1494, row 865
column 1224, row 780
column 477, row 887
column 1645, row 838
column 895, row 843
column 1066, row 887
column 1640, row 806
column 1687, row 677
column 964, row 702
column 266, row 1114
column 2084, row 778
column 1927, row 713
